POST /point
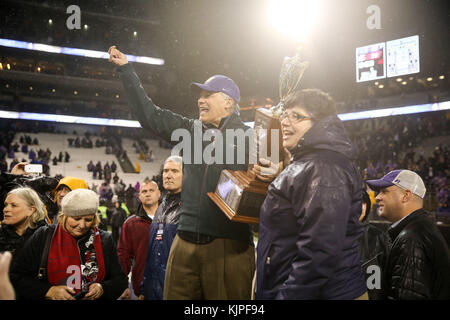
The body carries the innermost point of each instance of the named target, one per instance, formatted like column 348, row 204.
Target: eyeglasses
column 294, row 117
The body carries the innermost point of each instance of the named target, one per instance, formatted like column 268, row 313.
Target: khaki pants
column 365, row 296
column 222, row 269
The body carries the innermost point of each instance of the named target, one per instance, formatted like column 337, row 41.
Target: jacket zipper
column 200, row 202
column 81, row 263
column 203, row 183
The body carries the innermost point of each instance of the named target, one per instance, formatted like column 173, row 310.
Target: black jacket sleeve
column 25, row 267
column 115, row 281
column 161, row 121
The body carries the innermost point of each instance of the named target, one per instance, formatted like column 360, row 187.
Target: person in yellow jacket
column 105, row 215
column 138, row 167
column 64, row 186
column 124, row 207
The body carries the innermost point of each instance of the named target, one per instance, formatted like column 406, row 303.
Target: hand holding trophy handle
column 267, row 171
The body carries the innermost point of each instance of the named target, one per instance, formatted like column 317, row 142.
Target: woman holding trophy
column 308, row 223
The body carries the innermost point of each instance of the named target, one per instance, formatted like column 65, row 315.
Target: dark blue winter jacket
column 309, row 230
column 162, row 233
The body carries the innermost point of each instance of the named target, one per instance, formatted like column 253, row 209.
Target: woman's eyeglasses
column 294, row 117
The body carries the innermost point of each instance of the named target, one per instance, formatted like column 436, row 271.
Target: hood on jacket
column 140, row 212
column 326, row 134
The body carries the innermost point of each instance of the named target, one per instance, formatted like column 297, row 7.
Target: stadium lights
column 430, row 107
column 135, row 124
column 69, row 119
column 293, row 17
column 74, row 51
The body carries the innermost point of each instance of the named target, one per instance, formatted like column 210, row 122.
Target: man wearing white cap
column 418, row 264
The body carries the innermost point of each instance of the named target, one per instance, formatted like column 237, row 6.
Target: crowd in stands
column 42, row 157
column 103, row 173
column 145, row 153
column 384, row 144
column 390, row 143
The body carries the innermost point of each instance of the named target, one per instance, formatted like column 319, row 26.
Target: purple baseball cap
column 405, row 179
column 218, row 83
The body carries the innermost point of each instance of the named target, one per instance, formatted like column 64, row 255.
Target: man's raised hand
column 117, row 57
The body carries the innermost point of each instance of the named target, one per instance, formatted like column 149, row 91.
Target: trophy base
column 239, row 195
column 229, row 212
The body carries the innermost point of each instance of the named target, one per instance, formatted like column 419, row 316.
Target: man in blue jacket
column 211, row 256
column 163, row 230
column 308, row 230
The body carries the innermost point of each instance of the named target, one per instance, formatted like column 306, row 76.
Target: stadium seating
column 147, row 168
column 80, row 157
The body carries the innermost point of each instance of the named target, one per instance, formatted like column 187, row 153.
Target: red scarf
column 64, row 261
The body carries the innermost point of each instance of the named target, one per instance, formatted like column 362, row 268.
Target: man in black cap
column 211, row 257
column 418, row 263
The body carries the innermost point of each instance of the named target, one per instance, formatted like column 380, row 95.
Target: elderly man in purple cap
column 418, row 263
column 211, row 257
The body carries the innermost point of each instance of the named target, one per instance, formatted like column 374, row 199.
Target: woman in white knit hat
column 73, row 260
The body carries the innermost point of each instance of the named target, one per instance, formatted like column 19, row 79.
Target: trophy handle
column 250, row 173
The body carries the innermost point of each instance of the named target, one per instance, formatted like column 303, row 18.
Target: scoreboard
column 370, row 62
column 388, row 59
column 403, row 56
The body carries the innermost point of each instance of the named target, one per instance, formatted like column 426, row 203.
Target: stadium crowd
column 385, row 144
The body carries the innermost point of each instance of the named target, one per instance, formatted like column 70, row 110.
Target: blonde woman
column 23, row 215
